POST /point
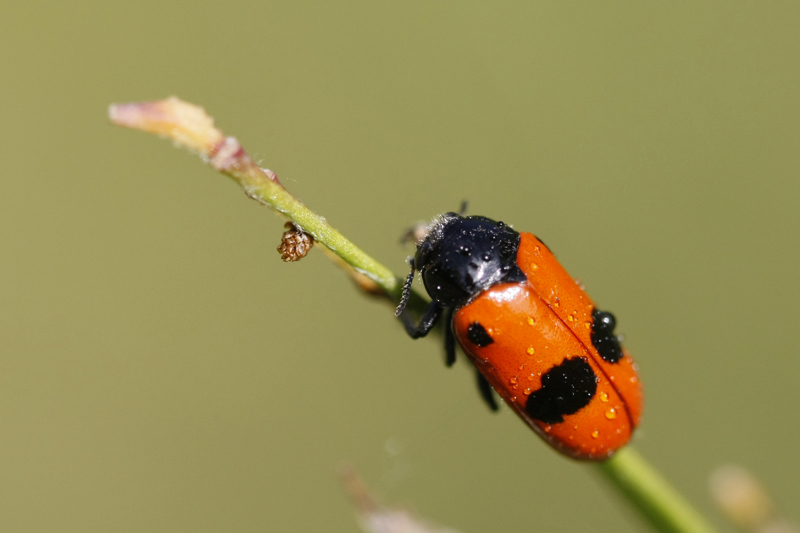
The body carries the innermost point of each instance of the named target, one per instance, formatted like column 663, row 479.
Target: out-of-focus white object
column 374, row 517
column 745, row 501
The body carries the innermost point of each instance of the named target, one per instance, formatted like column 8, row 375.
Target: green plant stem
column 275, row 196
column 657, row 501
column 189, row 126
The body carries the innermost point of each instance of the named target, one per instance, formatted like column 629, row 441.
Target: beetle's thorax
column 463, row 256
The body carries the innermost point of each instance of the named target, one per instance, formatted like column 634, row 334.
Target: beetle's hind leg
column 486, row 390
column 449, row 339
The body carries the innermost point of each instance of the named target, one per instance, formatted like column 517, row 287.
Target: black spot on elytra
column 566, row 389
column 477, row 335
column 603, row 337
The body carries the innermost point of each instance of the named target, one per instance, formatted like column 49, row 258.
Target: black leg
column 426, row 324
column 449, row 339
column 487, row 393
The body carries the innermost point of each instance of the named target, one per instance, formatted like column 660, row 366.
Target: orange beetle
column 531, row 331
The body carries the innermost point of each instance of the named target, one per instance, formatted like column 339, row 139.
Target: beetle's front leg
column 425, row 325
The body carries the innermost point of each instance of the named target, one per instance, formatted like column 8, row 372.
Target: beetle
column 531, row 331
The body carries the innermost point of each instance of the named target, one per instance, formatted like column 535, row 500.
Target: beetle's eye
column 507, row 249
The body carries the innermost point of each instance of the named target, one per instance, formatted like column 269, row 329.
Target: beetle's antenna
column 406, row 289
column 463, row 209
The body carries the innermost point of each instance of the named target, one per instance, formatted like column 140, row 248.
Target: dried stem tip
column 186, row 124
column 189, row 126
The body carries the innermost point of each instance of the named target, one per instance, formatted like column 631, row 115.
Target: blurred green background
column 153, row 342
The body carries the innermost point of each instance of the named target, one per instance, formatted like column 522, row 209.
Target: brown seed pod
column 295, row 243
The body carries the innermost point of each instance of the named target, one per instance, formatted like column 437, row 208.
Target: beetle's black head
column 462, row 256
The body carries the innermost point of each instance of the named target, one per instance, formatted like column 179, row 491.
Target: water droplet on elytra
column 531, row 321
column 611, row 414
column 531, row 350
column 595, row 434
column 603, row 397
